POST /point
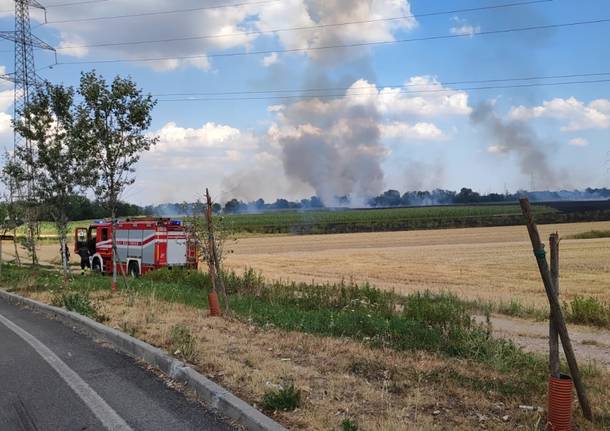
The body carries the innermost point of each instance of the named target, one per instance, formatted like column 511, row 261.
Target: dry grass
column 492, row 264
column 381, row 390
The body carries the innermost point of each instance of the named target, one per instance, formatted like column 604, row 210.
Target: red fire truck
column 143, row 244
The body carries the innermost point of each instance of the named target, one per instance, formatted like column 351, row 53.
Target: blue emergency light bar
column 175, row 222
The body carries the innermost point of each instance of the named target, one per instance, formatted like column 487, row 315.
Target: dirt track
column 589, row 344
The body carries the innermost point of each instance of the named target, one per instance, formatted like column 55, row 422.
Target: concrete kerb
column 215, row 395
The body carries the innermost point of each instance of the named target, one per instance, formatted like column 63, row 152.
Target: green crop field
column 380, row 220
column 47, row 229
column 373, row 220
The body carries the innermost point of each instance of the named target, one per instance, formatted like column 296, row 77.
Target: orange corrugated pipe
column 560, row 403
column 214, row 304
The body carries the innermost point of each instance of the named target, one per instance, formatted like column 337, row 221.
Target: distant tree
column 316, row 202
column 57, row 163
column 114, row 119
column 466, row 196
column 281, row 204
column 259, row 204
column 231, row 207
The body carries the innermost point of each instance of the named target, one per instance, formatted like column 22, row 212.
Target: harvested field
column 491, row 264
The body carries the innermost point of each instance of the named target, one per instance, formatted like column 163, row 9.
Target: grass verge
column 353, row 354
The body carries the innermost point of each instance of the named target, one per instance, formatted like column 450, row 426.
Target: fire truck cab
column 143, row 244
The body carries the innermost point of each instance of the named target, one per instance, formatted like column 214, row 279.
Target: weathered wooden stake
column 556, row 313
column 211, row 266
column 553, row 335
column 213, row 252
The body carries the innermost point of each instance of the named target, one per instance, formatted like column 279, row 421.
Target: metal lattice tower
column 25, row 80
column 24, row 77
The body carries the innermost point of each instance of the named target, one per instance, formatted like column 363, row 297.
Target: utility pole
column 25, row 79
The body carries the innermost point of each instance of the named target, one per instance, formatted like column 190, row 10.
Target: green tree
column 114, row 119
column 56, row 164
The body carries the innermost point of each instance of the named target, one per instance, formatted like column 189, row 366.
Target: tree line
column 389, row 198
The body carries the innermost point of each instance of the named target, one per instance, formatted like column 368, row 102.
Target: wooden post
column 215, row 257
column 213, row 252
column 553, row 335
column 211, row 265
column 556, row 313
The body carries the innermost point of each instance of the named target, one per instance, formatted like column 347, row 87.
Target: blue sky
column 361, row 140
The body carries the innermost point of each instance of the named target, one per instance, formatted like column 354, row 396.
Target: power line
column 409, row 85
column 166, row 12
column 303, row 28
column 76, row 3
column 439, row 90
column 396, row 86
column 338, row 46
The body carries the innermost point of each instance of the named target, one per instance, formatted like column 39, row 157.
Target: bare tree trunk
column 64, row 258
column 214, row 254
column 31, row 234
column 17, row 258
column 114, row 249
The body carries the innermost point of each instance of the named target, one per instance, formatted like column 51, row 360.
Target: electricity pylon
column 25, row 76
column 25, row 79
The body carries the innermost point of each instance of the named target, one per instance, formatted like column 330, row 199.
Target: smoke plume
column 516, row 138
column 333, row 146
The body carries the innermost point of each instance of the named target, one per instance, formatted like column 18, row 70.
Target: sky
column 294, row 98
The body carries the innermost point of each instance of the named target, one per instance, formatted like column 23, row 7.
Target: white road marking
column 106, row 415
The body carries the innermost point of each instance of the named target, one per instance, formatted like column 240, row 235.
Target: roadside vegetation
column 392, row 334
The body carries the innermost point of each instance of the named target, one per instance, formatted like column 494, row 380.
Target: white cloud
column 71, row 44
column 465, row 30
column 233, row 28
column 5, row 123
column 229, row 23
column 173, row 138
column 271, row 59
column 462, row 28
column 417, row 131
column 432, row 100
column 307, row 13
column 578, row 142
column 6, row 99
column 579, row 115
column 234, row 155
column 498, row 149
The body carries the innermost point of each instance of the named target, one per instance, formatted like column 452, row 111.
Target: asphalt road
column 53, row 378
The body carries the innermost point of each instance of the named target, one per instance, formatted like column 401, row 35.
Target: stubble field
column 490, row 264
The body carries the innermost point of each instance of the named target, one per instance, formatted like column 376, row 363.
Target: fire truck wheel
column 96, row 265
column 134, row 269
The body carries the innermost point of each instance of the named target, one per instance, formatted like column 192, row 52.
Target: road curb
column 213, row 394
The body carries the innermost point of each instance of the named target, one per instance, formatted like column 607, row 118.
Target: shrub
column 79, row 302
column 444, row 311
column 182, row 343
column 285, row 398
column 349, row 425
column 588, row 311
